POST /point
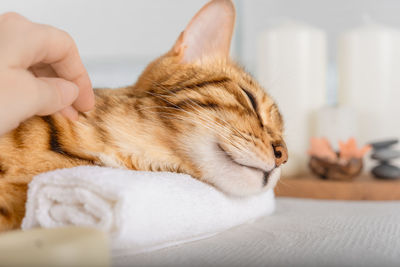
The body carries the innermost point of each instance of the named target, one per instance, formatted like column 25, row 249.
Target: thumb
column 54, row 94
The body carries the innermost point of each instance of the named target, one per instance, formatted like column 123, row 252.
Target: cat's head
column 226, row 130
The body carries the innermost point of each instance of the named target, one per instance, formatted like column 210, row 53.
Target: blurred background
column 332, row 66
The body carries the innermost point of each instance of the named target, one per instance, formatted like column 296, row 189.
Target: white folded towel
column 142, row 211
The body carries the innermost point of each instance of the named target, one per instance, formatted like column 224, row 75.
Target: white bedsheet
column 300, row 233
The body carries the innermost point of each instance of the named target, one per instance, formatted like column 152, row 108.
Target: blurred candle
column 369, row 79
column 336, row 124
column 292, row 68
column 56, row 247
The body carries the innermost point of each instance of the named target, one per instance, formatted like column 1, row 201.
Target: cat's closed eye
column 251, row 98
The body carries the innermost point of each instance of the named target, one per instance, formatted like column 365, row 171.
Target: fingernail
column 69, row 92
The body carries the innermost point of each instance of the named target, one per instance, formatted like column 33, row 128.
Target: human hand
column 40, row 73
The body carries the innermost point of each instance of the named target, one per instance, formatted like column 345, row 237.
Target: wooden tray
column 364, row 187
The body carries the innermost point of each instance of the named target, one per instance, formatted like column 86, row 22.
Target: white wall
column 118, row 28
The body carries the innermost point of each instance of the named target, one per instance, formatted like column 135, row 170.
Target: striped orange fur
column 193, row 110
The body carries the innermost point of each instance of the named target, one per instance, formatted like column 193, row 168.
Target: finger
column 66, row 62
column 22, row 95
column 28, row 43
column 55, row 95
column 70, row 113
column 43, row 70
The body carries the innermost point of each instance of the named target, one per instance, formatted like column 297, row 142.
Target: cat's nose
column 280, row 153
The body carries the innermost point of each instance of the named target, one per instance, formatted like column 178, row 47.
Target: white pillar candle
column 336, row 124
column 292, row 68
column 369, row 79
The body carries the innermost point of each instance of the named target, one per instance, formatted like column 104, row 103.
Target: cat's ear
column 209, row 33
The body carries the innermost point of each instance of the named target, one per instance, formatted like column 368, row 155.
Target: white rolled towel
column 142, row 211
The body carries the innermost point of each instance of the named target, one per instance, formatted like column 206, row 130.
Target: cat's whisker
column 254, row 142
column 172, row 93
column 208, row 126
column 163, row 97
column 202, row 113
column 194, row 103
column 203, row 116
column 219, row 117
column 179, row 108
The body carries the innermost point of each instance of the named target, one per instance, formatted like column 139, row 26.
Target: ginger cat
column 192, row 111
